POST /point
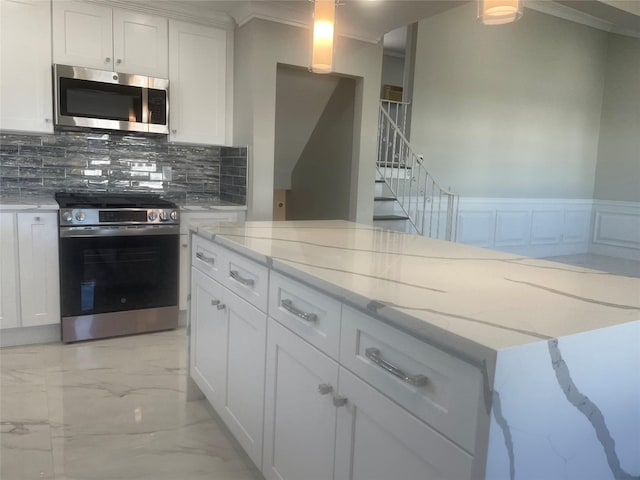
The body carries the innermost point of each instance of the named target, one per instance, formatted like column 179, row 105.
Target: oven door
column 116, row 272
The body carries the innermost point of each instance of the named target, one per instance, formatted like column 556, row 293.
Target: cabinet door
column 140, row 43
column 300, row 421
column 243, row 410
column 39, row 279
column 82, row 35
column 197, row 82
column 8, row 272
column 25, row 66
column 378, row 440
column 208, row 334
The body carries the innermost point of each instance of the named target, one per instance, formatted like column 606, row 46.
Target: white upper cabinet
column 140, row 43
column 105, row 38
column 198, row 78
column 25, row 66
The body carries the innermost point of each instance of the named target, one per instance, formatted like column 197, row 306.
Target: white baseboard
column 616, row 229
column 11, row 337
column 525, row 226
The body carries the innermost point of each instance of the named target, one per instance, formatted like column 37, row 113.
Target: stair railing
column 432, row 211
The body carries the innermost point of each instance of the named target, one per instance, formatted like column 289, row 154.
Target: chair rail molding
column 527, row 226
column 616, row 229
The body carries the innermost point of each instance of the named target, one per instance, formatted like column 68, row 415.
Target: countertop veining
column 463, row 297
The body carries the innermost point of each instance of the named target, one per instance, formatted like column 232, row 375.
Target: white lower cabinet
column 39, row 278
column 378, row 440
column 227, row 358
column 346, row 397
column 9, row 312
column 29, row 288
column 300, row 417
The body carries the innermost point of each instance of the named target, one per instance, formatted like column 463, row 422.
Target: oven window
column 111, row 274
column 83, row 98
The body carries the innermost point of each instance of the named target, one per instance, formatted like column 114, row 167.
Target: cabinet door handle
column 174, row 131
column 118, row 61
column 247, row 282
column 339, row 401
column 221, row 306
column 107, row 60
column 373, row 354
column 324, row 388
column 288, row 306
column 204, row 258
column 215, row 303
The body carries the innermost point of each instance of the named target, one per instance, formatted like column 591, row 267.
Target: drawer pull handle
column 204, row 258
column 373, row 354
column 288, row 306
column 339, row 401
column 215, row 303
column 248, row 282
column 324, row 388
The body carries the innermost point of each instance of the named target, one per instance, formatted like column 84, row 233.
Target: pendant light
column 498, row 12
column 324, row 17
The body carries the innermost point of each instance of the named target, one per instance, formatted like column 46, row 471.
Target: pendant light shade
column 324, row 16
column 497, row 12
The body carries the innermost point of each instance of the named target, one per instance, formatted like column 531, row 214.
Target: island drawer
column 312, row 315
column 206, row 257
column 245, row 277
column 437, row 387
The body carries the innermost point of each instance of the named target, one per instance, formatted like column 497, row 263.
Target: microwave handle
column 145, row 106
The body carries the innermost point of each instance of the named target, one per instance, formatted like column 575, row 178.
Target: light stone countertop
column 464, row 298
column 42, row 202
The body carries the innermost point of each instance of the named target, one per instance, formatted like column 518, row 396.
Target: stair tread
column 390, row 217
column 384, row 199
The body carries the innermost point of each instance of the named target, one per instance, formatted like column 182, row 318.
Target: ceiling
column 369, row 20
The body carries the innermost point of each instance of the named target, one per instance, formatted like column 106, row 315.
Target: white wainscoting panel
column 616, row 229
column 526, row 226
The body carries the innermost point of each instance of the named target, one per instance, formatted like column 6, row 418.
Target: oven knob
column 164, row 215
column 153, row 215
column 80, row 216
column 174, row 215
column 67, row 217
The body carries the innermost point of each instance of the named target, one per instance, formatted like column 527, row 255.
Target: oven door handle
column 119, row 231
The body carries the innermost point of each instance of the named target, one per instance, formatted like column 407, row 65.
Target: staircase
column 407, row 198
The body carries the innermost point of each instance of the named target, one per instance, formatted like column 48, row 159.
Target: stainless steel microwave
column 85, row 97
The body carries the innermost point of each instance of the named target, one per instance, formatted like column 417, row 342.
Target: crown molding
column 184, row 11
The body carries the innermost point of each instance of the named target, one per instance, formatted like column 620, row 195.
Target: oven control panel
column 129, row 216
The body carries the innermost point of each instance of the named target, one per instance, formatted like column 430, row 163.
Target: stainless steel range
column 118, row 264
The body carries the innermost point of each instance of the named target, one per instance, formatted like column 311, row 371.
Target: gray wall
column 321, row 180
column 509, row 111
column 301, row 97
column 618, row 170
column 259, row 47
column 392, row 70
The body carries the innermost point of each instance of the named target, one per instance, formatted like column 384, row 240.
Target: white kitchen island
column 490, row 365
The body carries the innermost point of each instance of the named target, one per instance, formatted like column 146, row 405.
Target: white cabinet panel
column 140, row 43
column 243, row 407
column 96, row 36
column 228, row 339
column 378, row 440
column 197, row 76
column 82, row 35
column 39, row 279
column 25, row 66
column 208, row 338
column 9, row 313
column 300, row 421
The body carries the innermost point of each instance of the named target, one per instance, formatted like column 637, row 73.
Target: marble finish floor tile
column 110, row 409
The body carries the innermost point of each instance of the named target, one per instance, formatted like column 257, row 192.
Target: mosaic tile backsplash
column 115, row 162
